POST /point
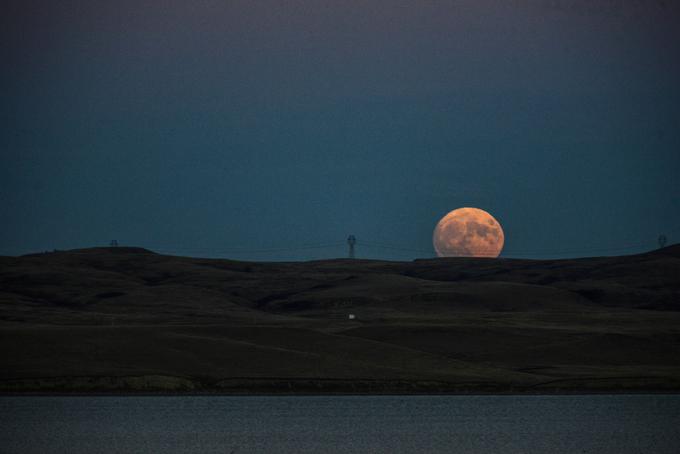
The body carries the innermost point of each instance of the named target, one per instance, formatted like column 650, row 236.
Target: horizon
column 275, row 130
column 225, row 256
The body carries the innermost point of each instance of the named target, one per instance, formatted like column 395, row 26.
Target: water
column 347, row 424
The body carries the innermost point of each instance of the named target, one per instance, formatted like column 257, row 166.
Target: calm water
column 416, row 424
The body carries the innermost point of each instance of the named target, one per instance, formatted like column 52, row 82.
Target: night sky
column 271, row 130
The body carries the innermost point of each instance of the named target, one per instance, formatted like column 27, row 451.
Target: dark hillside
column 130, row 319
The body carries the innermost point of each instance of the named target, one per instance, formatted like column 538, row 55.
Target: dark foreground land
column 129, row 320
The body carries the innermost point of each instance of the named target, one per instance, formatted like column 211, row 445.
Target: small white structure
column 352, row 316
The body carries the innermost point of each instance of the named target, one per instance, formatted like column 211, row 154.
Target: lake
column 341, row 424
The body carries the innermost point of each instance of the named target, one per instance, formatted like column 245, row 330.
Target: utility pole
column 351, row 241
column 662, row 240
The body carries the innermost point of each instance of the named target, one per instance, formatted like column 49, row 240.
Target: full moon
column 468, row 232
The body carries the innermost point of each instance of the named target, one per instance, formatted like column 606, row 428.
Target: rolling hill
column 128, row 319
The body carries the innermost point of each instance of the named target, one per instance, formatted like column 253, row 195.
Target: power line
column 391, row 247
column 394, row 249
column 301, row 246
column 249, row 251
column 372, row 244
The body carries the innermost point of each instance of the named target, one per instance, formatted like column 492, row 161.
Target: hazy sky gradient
column 200, row 126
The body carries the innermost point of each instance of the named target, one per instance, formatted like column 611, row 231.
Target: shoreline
column 348, row 394
column 159, row 385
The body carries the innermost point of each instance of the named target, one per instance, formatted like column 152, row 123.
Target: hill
column 127, row 319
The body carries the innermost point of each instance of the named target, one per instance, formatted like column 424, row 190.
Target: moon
column 468, row 232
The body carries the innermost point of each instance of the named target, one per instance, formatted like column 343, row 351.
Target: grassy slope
column 126, row 319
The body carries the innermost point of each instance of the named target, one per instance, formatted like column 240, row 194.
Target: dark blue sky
column 236, row 128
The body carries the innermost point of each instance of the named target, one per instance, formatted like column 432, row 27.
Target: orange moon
column 468, row 232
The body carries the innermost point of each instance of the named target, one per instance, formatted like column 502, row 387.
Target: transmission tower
column 351, row 241
column 662, row 240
